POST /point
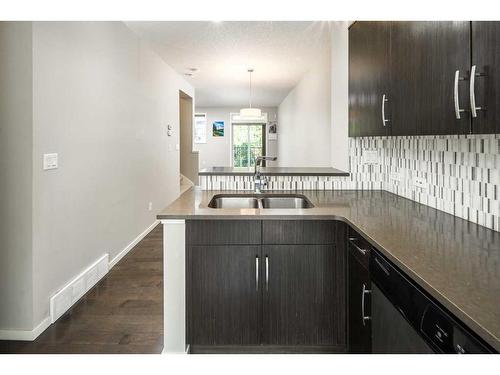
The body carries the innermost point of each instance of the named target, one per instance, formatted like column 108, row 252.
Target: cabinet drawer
column 223, row 232
column 291, row 232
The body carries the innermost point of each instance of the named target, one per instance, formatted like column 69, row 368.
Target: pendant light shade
column 250, row 113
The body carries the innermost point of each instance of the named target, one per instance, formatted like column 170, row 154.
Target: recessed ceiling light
column 194, row 70
column 188, row 74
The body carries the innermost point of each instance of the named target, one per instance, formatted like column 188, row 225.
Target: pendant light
column 250, row 112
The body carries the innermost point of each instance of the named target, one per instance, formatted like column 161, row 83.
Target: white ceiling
column 279, row 52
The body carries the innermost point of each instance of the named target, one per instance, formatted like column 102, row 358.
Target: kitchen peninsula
column 260, row 279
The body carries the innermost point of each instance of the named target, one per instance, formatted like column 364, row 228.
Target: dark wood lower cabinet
column 359, row 306
column 267, row 298
column 224, row 304
column 301, row 302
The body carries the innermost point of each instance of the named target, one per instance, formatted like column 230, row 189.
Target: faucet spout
column 260, row 181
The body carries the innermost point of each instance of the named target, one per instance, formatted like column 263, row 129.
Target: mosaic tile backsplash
column 456, row 174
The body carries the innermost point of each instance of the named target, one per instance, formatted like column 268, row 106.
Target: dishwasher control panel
column 447, row 335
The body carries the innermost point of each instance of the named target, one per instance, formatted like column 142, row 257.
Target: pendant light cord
column 250, row 71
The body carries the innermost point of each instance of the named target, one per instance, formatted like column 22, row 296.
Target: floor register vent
column 75, row 289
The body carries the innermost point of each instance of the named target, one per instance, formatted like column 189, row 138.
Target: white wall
column 304, row 126
column 339, row 95
column 16, row 300
column 217, row 151
column 102, row 100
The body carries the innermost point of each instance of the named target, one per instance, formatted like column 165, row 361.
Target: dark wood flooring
column 123, row 313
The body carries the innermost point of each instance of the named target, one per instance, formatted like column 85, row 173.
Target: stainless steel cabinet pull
column 353, row 243
column 473, row 75
column 384, row 100
column 257, row 273
column 455, row 95
column 267, row 273
column 365, row 291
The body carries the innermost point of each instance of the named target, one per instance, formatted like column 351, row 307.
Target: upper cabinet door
column 485, row 89
column 369, row 76
column 425, row 57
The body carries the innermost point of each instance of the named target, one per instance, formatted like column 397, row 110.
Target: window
column 200, row 128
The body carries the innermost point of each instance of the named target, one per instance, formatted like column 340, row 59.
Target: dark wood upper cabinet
column 424, row 59
column 369, row 78
column 424, row 70
column 486, row 58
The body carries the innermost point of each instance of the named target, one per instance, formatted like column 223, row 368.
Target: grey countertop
column 272, row 171
column 454, row 260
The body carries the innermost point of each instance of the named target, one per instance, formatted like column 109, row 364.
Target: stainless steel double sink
column 236, row 201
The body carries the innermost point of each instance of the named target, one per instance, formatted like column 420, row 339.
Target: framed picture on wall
column 273, row 131
column 218, row 129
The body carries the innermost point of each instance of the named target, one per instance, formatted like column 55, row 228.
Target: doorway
column 249, row 141
column 188, row 158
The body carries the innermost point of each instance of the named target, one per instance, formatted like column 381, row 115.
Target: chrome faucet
column 259, row 180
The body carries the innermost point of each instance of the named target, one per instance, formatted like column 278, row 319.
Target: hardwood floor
column 123, row 313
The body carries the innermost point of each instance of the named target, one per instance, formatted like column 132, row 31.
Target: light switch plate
column 177, row 147
column 50, row 161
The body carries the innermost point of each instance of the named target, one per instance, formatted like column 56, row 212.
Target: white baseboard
column 23, row 335
column 131, row 245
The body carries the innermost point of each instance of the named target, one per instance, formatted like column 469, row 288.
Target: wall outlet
column 370, row 157
column 420, row 182
column 50, row 161
column 177, row 147
column 150, row 206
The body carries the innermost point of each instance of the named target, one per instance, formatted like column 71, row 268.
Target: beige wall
column 304, row 132
column 16, row 140
column 217, row 151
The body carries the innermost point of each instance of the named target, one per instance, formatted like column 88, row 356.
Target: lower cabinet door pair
column 284, row 295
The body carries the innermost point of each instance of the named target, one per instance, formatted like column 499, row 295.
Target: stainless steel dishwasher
column 405, row 319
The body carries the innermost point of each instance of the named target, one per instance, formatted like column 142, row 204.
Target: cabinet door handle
column 455, row 95
column 384, row 100
column 473, row 75
column 353, row 243
column 267, row 273
column 257, row 273
column 365, row 291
